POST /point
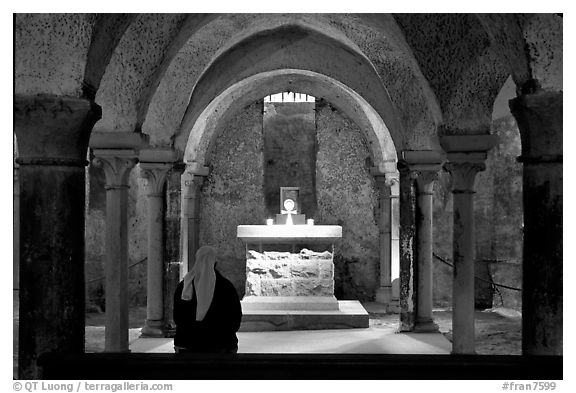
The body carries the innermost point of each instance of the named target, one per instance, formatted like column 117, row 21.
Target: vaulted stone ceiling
column 421, row 74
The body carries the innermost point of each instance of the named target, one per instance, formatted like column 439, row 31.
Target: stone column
column 52, row 135
column 466, row 156
column 192, row 180
column 407, row 247
column 420, row 170
column 385, row 182
column 395, row 245
column 172, row 250
column 112, row 153
column 539, row 118
column 154, row 166
column 16, row 231
column 425, row 241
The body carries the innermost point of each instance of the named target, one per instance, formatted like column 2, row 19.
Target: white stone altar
column 294, row 290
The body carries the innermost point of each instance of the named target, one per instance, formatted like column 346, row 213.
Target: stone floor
column 369, row 340
column 498, row 332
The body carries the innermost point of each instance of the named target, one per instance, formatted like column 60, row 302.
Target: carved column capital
column 466, row 156
column 423, row 169
column 425, row 181
column 387, row 179
column 155, row 175
column 116, row 165
column 192, row 178
column 464, row 175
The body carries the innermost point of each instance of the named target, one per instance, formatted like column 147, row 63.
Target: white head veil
column 202, row 279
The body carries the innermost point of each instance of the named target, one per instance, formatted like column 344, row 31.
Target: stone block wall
column 289, row 274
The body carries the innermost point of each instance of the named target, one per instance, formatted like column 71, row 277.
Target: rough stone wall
column 347, row 196
column 51, row 55
column 507, row 216
column 232, row 194
column 498, row 216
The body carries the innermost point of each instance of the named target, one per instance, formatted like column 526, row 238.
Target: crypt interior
column 424, row 153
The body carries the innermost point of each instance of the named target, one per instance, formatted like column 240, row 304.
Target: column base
column 394, row 306
column 425, row 326
column 384, row 295
column 153, row 329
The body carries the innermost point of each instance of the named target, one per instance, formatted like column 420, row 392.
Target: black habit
column 217, row 331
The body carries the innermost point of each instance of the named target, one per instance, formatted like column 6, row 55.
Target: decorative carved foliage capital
column 464, row 175
column 425, row 181
column 116, row 169
column 387, row 180
column 390, row 179
column 191, row 184
column 155, row 178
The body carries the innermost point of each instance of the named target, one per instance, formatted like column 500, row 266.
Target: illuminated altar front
column 290, row 276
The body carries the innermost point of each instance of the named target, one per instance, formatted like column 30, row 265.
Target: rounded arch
column 197, row 142
column 293, row 47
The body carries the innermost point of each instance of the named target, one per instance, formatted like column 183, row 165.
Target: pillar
column 384, row 183
column 192, row 180
column 419, row 170
column 52, row 135
column 424, row 247
column 172, row 250
column 112, row 152
column 395, row 244
column 16, row 232
column 466, row 156
column 407, row 250
column 539, row 118
column 155, row 175
column 155, row 165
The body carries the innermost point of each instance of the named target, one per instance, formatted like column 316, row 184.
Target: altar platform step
column 349, row 315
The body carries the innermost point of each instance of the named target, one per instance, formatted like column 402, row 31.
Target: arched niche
column 196, row 141
column 293, row 47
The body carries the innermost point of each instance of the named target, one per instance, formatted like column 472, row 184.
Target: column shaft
column 117, row 164
column 191, row 189
column 155, row 303
column 173, row 249
column 16, row 232
column 407, row 247
column 116, row 268
column 539, row 118
column 395, row 244
column 52, row 134
column 424, row 321
column 155, row 175
column 464, row 254
column 464, row 243
column 384, row 293
column 466, row 156
column 51, row 265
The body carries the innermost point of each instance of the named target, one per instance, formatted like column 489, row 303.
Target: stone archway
column 196, row 138
column 217, row 116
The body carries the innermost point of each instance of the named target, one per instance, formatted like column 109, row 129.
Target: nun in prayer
column 207, row 309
